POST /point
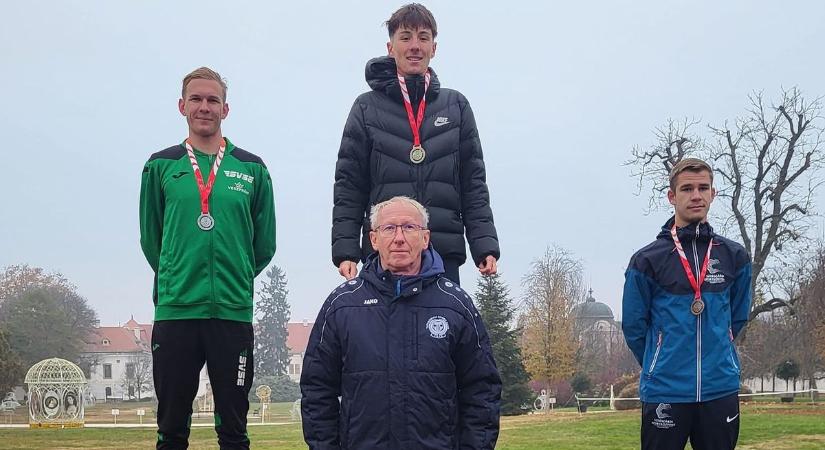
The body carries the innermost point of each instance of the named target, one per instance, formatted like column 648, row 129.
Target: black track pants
column 179, row 350
column 712, row 425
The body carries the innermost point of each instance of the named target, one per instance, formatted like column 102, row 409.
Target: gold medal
column 417, row 154
column 697, row 306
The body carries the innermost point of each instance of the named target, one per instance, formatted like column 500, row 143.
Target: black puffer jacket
column 374, row 165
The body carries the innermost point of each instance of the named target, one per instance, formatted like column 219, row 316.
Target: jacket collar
column 382, row 76
column 702, row 231
column 432, row 267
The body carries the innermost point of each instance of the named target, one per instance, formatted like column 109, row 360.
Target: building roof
column 132, row 337
column 593, row 310
column 298, row 336
column 124, row 339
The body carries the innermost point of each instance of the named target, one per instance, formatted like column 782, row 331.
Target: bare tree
column 767, row 167
column 673, row 141
column 552, row 287
column 808, row 319
column 138, row 375
column 769, row 337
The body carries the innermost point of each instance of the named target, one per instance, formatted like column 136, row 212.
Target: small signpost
column 141, row 413
column 115, row 413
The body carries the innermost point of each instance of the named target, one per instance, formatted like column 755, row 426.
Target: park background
column 563, row 94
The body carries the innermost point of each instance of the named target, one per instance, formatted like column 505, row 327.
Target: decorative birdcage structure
column 56, row 389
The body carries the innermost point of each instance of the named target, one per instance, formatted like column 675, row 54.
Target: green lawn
column 764, row 426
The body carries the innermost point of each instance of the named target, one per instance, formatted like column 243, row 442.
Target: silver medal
column 206, row 222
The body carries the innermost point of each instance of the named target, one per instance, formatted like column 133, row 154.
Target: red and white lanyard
column 695, row 283
column 415, row 122
column 205, row 189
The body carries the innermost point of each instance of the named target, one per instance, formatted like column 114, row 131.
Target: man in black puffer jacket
column 403, row 348
column 424, row 145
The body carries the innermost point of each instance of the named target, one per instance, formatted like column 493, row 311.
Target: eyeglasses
column 408, row 229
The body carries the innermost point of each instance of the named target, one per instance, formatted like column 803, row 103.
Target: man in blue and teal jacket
column 686, row 297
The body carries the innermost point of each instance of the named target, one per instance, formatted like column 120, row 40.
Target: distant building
column 595, row 320
column 297, row 340
column 602, row 349
column 113, row 352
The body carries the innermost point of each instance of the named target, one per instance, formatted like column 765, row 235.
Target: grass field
column 771, row 426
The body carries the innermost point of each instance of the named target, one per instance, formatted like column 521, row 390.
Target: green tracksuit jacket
column 206, row 274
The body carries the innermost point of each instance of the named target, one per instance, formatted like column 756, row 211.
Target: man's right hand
column 348, row 269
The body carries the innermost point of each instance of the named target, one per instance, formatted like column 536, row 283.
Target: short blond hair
column 376, row 210
column 688, row 165
column 203, row 73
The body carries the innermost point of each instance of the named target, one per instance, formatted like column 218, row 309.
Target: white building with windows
column 113, row 354
column 297, row 340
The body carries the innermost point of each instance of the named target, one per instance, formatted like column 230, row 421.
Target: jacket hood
column 382, row 76
column 701, row 229
column 432, row 266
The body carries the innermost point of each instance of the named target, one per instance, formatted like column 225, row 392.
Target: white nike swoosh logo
column 731, row 419
column 439, row 122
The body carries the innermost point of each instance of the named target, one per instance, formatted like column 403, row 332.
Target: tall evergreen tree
column 496, row 308
column 272, row 312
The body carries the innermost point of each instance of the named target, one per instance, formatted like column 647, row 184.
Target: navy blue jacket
column 409, row 358
column 686, row 358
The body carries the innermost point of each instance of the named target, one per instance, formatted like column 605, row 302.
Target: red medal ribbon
column 694, row 283
column 204, row 189
column 415, row 122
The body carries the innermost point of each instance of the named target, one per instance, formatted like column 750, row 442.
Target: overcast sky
column 561, row 91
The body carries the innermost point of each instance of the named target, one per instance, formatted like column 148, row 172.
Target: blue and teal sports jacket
column 686, row 358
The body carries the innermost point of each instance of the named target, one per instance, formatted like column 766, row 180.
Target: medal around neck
column 417, row 154
column 206, row 222
column 697, row 306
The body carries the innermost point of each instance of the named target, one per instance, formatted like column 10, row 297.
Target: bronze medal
column 697, row 306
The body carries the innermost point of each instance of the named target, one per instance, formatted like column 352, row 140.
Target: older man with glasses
column 404, row 350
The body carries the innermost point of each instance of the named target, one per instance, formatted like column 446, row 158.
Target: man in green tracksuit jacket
column 207, row 228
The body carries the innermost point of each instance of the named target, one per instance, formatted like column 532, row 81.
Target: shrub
column 624, row 380
column 629, row 391
column 283, row 389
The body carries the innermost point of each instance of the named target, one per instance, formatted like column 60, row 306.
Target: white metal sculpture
column 206, row 402
column 9, row 403
column 56, row 390
column 544, row 402
column 263, row 392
